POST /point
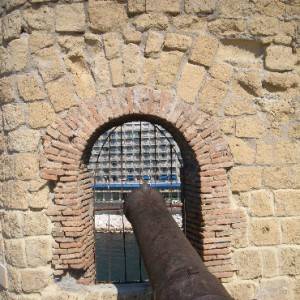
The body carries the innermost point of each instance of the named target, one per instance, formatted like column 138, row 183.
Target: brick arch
column 66, row 144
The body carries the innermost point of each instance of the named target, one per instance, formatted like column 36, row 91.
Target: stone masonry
column 222, row 76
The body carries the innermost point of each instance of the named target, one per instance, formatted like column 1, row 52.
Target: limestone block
column 183, row 21
column 82, row 79
column 227, row 27
column 40, row 40
column 221, row 71
column 7, row 167
column 294, row 131
column 279, row 58
column 36, row 223
column 242, row 290
column 14, row 279
column 195, row 6
column 40, row 114
column 131, row 35
column 23, row 140
column 212, row 96
column 279, row 177
column 102, row 73
column 227, row 126
column 190, row 82
column 204, row 50
column 38, row 251
column 70, row 17
column 263, row 25
column 152, row 20
column 289, row 260
column 287, row 152
column 287, row 202
column 275, row 289
column 261, row 203
column 15, row 252
column 11, row 26
column 245, row 178
column 169, row 63
column 41, row 18
column 177, row 41
column 61, row 94
column 133, row 61
column 248, row 263
column 7, row 89
column 112, row 44
column 169, row 6
column 34, row 280
column 4, row 60
column 282, row 81
column 243, row 152
column 264, row 153
column 14, row 3
column 251, row 81
column 149, row 71
column 290, row 230
column 13, row 223
column 49, row 64
column 154, row 42
column 264, row 232
column 106, row 15
column 39, row 199
column 30, row 87
column 136, row 6
column 116, row 69
column 269, row 262
column 13, row 115
column 26, row 166
column 18, row 50
column 250, row 127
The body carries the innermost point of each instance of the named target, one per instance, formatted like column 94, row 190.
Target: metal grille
column 122, row 159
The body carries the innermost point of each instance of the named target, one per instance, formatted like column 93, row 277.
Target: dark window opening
column 122, row 159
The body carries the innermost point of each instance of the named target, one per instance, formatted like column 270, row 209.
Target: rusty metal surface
column 175, row 269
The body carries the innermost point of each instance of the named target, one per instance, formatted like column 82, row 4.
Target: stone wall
column 234, row 64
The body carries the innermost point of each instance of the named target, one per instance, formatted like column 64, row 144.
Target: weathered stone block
column 38, row 251
column 112, row 44
column 116, row 69
column 14, row 279
column 204, row 50
column 264, row 153
column 106, row 15
column 282, row 81
column 14, row 3
column 177, row 41
column 102, row 73
column 290, row 230
column 261, row 203
column 275, row 289
column 269, row 262
column 61, row 94
column 133, row 60
column 289, row 261
column 39, row 199
column 248, row 262
column 70, row 17
column 287, row 202
column 13, row 115
column 250, row 127
column 41, row 18
column 154, row 42
column 190, row 82
column 7, row 167
column 195, row 6
column 221, row 71
column 15, row 252
column 242, row 290
column 26, row 166
column 136, row 6
column 40, row 114
column 7, row 89
column 169, row 6
column 23, row 140
column 18, row 50
column 30, row 87
column 264, row 232
column 243, row 152
column 49, row 64
column 36, row 223
column 228, row 126
column 13, row 223
column 245, row 178
column 279, row 58
column 131, row 35
column 286, row 152
column 151, row 20
column 11, row 26
column 149, row 71
column 39, row 40
column 34, row 280
column 251, row 81
column 212, row 96
column 279, row 177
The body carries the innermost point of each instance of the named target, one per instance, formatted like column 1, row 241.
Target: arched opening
column 130, row 152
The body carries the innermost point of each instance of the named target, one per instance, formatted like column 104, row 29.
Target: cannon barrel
column 175, row 269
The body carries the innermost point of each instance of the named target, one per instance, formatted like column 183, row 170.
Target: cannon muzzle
column 175, row 269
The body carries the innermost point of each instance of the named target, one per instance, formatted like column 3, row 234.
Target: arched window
column 123, row 158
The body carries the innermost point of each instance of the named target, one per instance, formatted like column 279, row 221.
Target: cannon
column 175, row 269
